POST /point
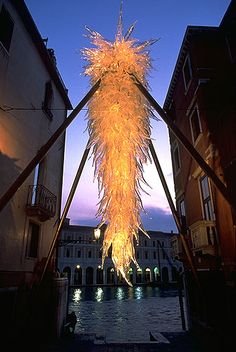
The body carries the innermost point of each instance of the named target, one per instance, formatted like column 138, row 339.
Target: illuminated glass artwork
column 119, row 129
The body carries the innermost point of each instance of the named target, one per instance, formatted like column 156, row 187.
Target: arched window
column 165, row 274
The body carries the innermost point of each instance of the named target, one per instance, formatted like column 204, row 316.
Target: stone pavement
column 166, row 342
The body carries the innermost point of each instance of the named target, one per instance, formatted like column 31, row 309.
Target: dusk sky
column 63, row 23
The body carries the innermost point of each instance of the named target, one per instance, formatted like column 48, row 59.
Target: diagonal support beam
column 45, row 148
column 187, row 145
column 174, row 211
column 67, row 207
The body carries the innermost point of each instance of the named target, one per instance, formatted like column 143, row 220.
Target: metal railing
column 41, row 202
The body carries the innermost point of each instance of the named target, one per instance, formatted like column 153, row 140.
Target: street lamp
column 97, row 233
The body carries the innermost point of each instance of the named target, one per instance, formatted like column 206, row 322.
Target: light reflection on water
column 120, row 293
column 120, row 310
column 77, row 295
column 99, row 294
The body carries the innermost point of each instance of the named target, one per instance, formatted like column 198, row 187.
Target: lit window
column 182, row 207
column 34, row 230
column 206, row 199
column 6, row 31
column 48, row 99
column 187, row 72
column 182, row 212
column 176, row 158
column 195, row 124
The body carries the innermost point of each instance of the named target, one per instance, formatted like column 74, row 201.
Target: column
column 94, row 275
column 83, row 276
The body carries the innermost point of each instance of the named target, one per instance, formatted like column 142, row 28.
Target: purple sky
column 63, row 23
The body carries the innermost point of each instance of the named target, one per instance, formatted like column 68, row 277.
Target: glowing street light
column 97, row 233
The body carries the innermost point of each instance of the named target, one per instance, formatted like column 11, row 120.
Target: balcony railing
column 177, row 251
column 203, row 236
column 41, row 203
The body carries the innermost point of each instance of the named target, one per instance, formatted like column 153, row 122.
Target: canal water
column 124, row 313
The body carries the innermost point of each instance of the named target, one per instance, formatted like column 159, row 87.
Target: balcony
column 203, row 236
column 41, row 203
column 176, row 248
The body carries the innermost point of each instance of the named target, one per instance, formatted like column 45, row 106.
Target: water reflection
column 77, row 295
column 120, row 293
column 116, row 311
column 99, row 294
column 138, row 292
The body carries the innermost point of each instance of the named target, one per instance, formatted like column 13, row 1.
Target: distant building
column 33, row 104
column 79, row 256
column 201, row 101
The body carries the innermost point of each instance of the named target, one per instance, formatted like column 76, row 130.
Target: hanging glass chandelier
column 119, row 129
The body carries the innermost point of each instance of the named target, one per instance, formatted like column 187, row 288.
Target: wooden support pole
column 67, row 207
column 174, row 211
column 45, row 148
column 187, row 145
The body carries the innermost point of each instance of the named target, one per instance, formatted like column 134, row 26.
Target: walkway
column 166, row 342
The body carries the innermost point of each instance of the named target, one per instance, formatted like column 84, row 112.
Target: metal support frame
column 45, row 148
column 187, row 145
column 184, row 141
column 67, row 207
column 174, row 211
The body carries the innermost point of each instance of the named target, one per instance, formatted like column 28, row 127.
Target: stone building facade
column 79, row 256
column 201, row 102
column 33, row 104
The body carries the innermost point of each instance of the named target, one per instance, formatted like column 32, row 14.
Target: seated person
column 72, row 320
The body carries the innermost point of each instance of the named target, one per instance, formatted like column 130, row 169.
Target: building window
column 89, row 254
column 154, row 255
column 48, row 99
column 182, row 213
column 79, row 240
column 154, row 243
column 206, row 199
column 38, row 179
column 145, row 243
column 34, row 231
column 78, row 254
column 6, row 31
column 182, row 207
column 176, row 158
column 195, row 124
column 146, row 254
column 211, row 235
column 137, row 254
column 187, row 72
column 163, row 253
